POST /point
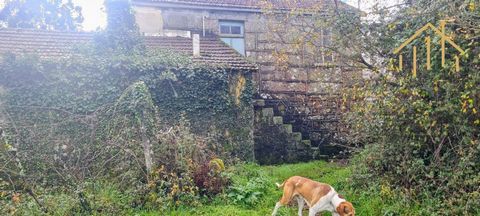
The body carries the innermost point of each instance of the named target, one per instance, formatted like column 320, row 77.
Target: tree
column 422, row 131
column 122, row 33
column 41, row 14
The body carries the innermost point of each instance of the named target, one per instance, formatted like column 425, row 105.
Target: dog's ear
column 348, row 209
column 345, row 208
column 341, row 209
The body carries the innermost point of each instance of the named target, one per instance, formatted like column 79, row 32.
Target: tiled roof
column 255, row 4
column 52, row 44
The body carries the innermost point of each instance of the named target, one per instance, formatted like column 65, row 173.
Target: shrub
column 183, row 172
column 210, row 177
column 249, row 194
column 170, row 189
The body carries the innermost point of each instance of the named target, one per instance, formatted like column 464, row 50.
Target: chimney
column 196, row 45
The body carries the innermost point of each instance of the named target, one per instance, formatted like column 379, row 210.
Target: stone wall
column 300, row 73
column 306, row 78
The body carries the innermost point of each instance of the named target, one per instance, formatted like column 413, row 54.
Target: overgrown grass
column 106, row 199
column 331, row 173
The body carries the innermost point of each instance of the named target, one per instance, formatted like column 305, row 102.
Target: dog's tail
column 280, row 185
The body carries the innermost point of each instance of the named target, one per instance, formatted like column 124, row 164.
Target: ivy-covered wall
column 216, row 101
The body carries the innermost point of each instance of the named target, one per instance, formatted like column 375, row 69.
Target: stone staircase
column 301, row 146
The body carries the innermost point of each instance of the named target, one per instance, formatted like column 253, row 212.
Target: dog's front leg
column 301, row 203
column 312, row 211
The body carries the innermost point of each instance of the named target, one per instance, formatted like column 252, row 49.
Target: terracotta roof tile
column 53, row 44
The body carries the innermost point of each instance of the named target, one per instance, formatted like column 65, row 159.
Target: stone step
column 316, row 154
column 304, row 144
column 267, row 112
column 288, row 128
column 267, row 115
column 278, row 120
column 297, row 136
column 259, row 102
column 320, row 157
column 307, row 142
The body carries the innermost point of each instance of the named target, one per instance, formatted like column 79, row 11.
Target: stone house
column 301, row 94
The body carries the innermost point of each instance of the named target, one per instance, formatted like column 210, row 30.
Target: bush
column 422, row 134
column 210, row 178
column 183, row 173
column 169, row 189
column 249, row 194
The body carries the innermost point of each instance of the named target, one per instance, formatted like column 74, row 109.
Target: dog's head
column 345, row 209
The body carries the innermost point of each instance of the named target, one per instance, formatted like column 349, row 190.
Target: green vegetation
column 107, row 199
column 417, row 136
column 123, row 117
column 148, row 122
column 421, row 134
column 125, row 130
column 262, row 179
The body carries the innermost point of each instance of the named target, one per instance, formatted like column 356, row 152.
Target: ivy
column 101, row 107
column 422, row 134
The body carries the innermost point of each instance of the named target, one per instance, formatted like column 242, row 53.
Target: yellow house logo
column 444, row 39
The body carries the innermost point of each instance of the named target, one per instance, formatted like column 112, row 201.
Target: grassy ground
column 330, row 173
column 107, row 199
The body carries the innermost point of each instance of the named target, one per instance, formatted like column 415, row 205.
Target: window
column 232, row 33
column 224, row 29
column 233, row 28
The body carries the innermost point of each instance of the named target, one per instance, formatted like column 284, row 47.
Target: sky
column 94, row 12
column 366, row 5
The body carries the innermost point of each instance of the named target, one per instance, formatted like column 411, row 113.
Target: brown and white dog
column 318, row 196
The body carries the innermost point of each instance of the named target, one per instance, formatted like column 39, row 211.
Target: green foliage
column 41, row 14
column 122, row 34
column 366, row 202
column 216, row 165
column 422, row 134
column 91, row 115
column 211, row 180
column 205, row 98
column 250, row 194
column 113, row 111
column 131, row 120
column 170, row 189
column 108, row 198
